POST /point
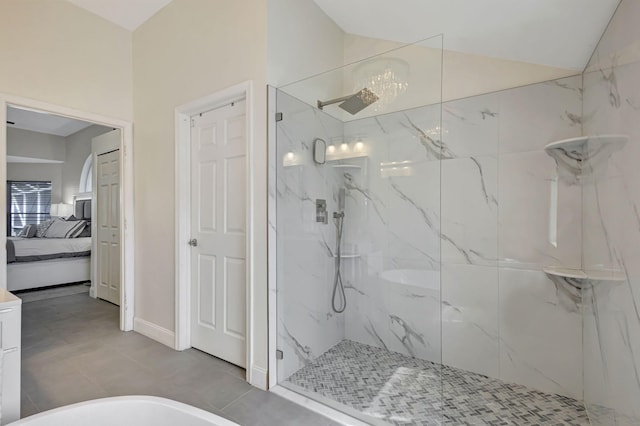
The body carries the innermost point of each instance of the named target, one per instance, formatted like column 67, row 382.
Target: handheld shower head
column 353, row 104
column 341, row 197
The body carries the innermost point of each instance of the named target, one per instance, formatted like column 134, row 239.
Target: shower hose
column 338, row 287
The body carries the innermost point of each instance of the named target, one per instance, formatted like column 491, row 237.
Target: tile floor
column 401, row 390
column 73, row 351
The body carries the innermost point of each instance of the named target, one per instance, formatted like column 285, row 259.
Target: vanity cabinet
column 10, row 326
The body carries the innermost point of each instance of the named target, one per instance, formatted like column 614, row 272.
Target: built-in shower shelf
column 581, row 157
column 346, row 166
column 582, row 141
column 348, row 256
column 578, row 274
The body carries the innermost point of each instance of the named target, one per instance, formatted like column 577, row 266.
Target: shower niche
column 351, row 178
column 583, row 162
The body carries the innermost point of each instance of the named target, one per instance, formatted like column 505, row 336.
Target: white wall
column 72, row 151
column 78, row 148
column 25, row 143
column 190, row 49
column 39, row 172
column 55, row 52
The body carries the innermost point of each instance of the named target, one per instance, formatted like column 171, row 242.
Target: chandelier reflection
column 386, row 77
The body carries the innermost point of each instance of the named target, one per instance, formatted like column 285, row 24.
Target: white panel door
column 108, row 220
column 218, row 220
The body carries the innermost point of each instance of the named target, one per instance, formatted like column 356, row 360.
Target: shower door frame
column 272, row 263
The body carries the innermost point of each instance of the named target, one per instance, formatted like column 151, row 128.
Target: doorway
column 218, row 230
column 106, row 187
column 234, row 270
column 125, row 193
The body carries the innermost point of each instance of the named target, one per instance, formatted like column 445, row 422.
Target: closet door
column 108, row 221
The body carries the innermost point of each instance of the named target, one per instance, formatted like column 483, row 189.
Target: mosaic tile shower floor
column 388, row 387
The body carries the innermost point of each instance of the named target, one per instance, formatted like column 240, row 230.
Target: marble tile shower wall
column 306, row 325
column 488, row 203
column 611, row 206
column 447, row 229
column 393, row 288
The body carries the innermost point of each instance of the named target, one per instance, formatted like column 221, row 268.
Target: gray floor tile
column 73, row 351
column 259, row 408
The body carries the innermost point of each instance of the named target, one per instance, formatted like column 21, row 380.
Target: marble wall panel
column 612, row 226
column 540, row 333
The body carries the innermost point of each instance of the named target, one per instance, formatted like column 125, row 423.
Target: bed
column 59, row 254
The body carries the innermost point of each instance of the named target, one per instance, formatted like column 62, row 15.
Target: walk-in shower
column 412, row 304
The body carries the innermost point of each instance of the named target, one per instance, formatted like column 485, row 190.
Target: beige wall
column 190, row 49
column 302, row 41
column 464, row 74
column 55, row 52
column 78, row 148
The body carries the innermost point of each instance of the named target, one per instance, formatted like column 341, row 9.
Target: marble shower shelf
column 348, row 256
column 600, row 276
column 346, row 166
column 582, row 141
column 580, row 156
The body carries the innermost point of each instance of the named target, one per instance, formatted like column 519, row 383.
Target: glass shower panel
column 358, row 236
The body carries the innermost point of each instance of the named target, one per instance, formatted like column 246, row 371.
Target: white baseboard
column 155, row 332
column 259, row 377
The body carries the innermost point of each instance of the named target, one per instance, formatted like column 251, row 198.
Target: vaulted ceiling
column 556, row 33
column 129, row 14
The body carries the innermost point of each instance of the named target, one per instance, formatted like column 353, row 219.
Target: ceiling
column 129, row 14
column 41, row 122
column 556, row 33
column 561, row 34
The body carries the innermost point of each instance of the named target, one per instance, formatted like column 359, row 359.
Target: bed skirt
column 28, row 275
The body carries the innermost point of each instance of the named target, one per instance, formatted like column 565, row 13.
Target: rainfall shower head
column 353, row 104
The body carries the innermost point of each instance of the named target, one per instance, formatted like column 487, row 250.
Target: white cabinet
column 10, row 325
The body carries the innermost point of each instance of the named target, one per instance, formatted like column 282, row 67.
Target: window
column 27, row 203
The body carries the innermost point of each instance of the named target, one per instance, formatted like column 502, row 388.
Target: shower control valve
column 321, row 211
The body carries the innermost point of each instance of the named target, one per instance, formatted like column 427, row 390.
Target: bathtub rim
column 180, row 406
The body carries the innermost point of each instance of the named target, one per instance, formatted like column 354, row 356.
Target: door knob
column 193, row 242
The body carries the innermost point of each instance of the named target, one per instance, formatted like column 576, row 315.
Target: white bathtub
column 125, row 410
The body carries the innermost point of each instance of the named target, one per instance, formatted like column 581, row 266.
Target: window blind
column 27, row 203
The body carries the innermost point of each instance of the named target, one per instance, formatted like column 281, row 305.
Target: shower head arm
column 322, row 104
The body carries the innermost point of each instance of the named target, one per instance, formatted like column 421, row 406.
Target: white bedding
column 47, row 246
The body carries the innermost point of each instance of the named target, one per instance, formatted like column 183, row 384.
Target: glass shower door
column 358, row 236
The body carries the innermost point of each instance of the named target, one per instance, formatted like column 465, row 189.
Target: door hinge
column 279, row 354
column 193, row 122
column 279, row 116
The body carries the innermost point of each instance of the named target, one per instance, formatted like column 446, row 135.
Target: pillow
column 23, row 231
column 86, row 232
column 64, row 229
column 28, row 231
column 32, row 231
column 42, row 227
